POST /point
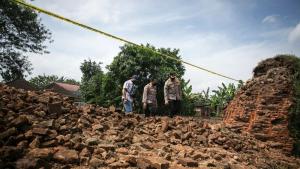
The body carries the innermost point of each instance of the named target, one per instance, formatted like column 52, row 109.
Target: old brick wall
column 262, row 106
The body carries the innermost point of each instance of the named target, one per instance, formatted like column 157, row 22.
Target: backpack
column 133, row 90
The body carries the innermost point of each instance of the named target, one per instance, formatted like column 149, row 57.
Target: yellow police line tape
column 114, row 37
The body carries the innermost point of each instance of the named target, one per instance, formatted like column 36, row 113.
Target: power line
column 116, row 37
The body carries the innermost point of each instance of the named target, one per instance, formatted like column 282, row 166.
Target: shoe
column 129, row 114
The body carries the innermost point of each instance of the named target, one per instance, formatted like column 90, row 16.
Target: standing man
column 173, row 93
column 127, row 93
column 149, row 98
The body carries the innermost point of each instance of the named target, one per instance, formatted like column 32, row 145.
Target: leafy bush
column 216, row 101
column 221, row 97
column 189, row 99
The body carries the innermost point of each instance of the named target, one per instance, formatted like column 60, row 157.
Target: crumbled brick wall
column 262, row 105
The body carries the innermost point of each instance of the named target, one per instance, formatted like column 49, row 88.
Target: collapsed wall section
column 262, row 106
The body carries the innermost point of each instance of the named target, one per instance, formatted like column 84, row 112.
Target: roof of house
column 66, row 89
column 69, row 87
column 22, row 84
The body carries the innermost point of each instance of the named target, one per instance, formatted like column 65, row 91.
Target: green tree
column 215, row 101
column 205, row 97
column 42, row 81
column 222, row 96
column 189, row 99
column 92, row 82
column 143, row 62
column 21, row 32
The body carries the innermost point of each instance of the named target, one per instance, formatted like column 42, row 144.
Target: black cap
column 134, row 77
column 172, row 74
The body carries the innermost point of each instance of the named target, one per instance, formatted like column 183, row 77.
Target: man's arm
column 180, row 91
column 145, row 94
column 165, row 93
column 124, row 91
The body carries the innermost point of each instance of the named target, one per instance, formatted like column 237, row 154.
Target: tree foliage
column 92, row 82
column 221, row 97
column 42, row 81
column 143, row 63
column 105, row 89
column 189, row 99
column 216, row 100
column 21, row 32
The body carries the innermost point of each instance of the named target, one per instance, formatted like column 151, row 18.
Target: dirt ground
column 45, row 130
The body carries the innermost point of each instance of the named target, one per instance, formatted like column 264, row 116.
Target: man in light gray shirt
column 127, row 92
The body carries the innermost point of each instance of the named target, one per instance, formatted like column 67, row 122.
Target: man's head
column 134, row 77
column 172, row 75
column 153, row 81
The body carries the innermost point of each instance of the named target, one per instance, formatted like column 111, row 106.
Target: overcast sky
column 228, row 37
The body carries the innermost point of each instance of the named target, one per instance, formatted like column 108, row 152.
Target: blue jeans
column 127, row 106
